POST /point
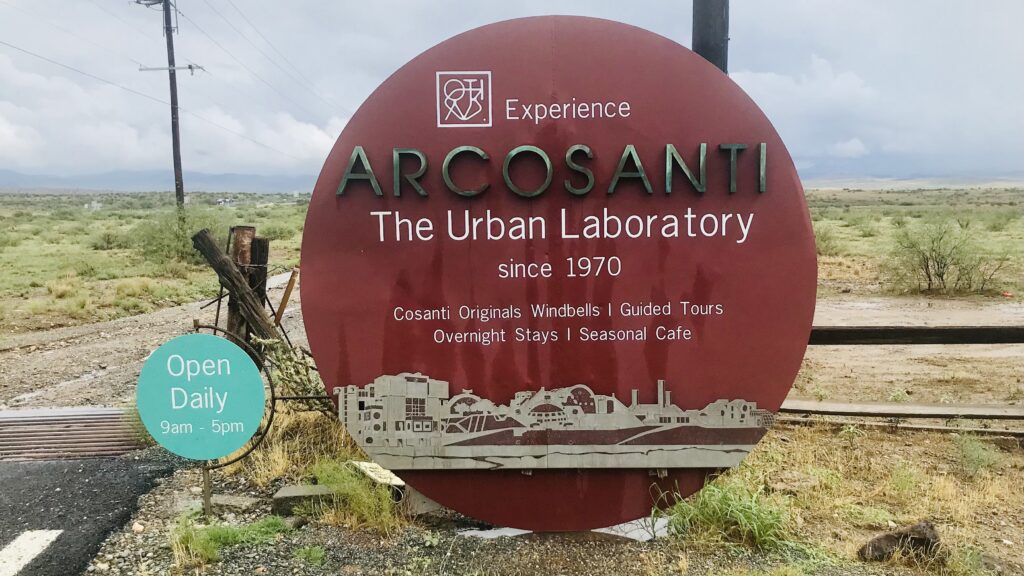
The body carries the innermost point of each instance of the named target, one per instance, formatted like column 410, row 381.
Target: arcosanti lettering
column 690, row 164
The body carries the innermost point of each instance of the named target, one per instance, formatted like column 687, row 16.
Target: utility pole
column 179, row 185
column 711, row 31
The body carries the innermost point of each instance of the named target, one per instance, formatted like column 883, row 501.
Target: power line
column 131, row 26
column 122, row 20
column 69, row 32
column 300, row 78
column 242, row 64
column 146, row 96
column 199, row 87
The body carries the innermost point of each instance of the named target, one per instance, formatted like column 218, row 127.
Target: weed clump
column 312, row 555
column 358, row 501
column 974, row 455
column 196, row 546
column 729, row 510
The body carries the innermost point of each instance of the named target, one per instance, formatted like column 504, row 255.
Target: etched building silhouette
column 410, row 421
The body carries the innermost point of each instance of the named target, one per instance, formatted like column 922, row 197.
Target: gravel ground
column 432, row 545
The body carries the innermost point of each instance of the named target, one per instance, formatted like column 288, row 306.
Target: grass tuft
column 974, row 455
column 729, row 510
column 196, row 546
column 312, row 555
column 358, row 501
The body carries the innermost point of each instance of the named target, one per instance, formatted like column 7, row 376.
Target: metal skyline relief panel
column 411, row 421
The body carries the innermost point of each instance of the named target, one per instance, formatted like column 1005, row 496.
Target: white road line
column 19, row 553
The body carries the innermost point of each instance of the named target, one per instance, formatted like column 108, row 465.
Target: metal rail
column 914, row 335
column 882, row 410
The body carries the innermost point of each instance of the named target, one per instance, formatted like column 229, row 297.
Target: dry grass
column 842, row 489
column 133, row 287
column 295, row 443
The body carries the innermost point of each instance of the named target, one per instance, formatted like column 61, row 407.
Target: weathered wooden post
column 250, row 308
column 241, row 255
column 257, row 272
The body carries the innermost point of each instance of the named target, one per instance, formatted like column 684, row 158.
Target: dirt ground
column 969, row 374
column 98, row 364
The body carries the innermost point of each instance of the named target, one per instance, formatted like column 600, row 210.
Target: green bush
column 9, row 240
column 109, row 240
column 276, row 232
column 168, row 237
column 825, row 240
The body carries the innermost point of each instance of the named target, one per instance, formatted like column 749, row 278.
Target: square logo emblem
column 463, row 99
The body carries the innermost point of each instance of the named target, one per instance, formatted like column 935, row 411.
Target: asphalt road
column 84, row 499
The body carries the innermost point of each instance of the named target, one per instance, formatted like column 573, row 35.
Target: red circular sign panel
column 738, row 276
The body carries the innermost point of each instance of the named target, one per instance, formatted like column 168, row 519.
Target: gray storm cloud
column 856, row 88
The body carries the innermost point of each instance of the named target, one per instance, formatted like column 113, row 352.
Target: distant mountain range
column 156, row 180
column 159, row 180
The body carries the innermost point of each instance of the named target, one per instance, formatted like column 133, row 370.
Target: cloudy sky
column 927, row 89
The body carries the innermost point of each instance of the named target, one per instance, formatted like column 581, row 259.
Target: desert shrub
column 904, row 482
column 867, row 228
column 940, row 256
column 134, row 287
column 277, row 232
column 963, row 560
column 9, row 240
column 63, row 288
column 172, row 269
column 109, row 240
column 65, row 214
column 826, row 240
column 85, row 269
column 999, row 221
column 168, row 237
column 131, row 305
column 899, row 395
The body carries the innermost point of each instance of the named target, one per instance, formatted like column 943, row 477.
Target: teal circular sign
column 200, row 396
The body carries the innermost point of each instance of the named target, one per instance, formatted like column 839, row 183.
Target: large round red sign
column 555, row 261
